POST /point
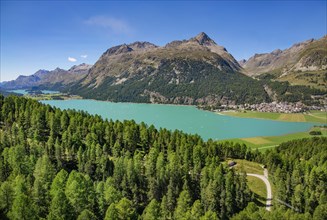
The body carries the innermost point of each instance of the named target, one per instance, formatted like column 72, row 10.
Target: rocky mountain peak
column 276, row 52
column 41, row 72
column 124, row 49
column 242, row 62
column 304, row 43
column 81, row 68
column 141, row 45
column 58, row 70
column 204, row 39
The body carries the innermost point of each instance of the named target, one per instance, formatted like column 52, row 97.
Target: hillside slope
column 304, row 63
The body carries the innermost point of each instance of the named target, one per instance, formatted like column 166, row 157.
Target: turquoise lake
column 186, row 118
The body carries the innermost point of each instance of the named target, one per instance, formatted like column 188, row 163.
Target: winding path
column 264, row 178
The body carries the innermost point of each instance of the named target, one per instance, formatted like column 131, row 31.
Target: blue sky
column 45, row 35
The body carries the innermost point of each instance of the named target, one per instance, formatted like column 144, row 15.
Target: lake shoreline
column 188, row 119
column 224, row 113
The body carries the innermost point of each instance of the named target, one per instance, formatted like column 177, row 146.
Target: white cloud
column 84, row 56
column 115, row 25
column 72, row 59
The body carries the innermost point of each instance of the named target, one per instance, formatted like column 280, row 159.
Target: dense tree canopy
column 298, row 169
column 71, row 165
column 68, row 164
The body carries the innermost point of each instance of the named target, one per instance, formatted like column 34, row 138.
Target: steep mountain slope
column 45, row 78
column 303, row 64
column 194, row 71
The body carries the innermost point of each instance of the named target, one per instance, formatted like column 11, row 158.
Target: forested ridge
column 67, row 164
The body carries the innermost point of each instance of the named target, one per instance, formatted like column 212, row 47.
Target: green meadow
column 312, row 116
column 264, row 143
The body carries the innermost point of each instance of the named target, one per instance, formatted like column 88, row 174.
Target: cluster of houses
column 280, row 107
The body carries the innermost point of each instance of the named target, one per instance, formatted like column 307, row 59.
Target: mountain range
column 304, row 63
column 196, row 71
column 46, row 78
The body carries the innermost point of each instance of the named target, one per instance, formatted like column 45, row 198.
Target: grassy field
column 264, row 143
column 256, row 185
column 312, row 116
column 248, row 166
column 317, row 116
